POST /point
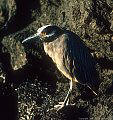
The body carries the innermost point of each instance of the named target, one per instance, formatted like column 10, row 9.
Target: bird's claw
column 58, row 107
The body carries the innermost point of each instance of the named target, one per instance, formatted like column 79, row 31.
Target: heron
column 70, row 54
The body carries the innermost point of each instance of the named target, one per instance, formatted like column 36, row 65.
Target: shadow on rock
column 105, row 63
column 36, row 70
column 69, row 113
column 8, row 96
column 5, row 63
column 8, row 103
column 22, row 17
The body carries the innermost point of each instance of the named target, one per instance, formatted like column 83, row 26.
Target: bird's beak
column 32, row 37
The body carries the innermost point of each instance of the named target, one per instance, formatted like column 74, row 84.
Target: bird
column 71, row 56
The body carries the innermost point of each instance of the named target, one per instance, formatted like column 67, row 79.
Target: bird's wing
column 79, row 61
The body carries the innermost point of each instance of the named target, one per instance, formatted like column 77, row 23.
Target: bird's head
column 47, row 33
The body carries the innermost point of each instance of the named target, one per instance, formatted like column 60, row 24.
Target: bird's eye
column 43, row 34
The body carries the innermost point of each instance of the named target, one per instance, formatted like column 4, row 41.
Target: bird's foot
column 61, row 106
column 58, row 107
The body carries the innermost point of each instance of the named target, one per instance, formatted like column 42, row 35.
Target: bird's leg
column 66, row 101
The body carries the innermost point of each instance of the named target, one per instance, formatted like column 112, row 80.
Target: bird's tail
column 92, row 90
column 75, row 80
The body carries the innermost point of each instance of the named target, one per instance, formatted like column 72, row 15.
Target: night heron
column 70, row 55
